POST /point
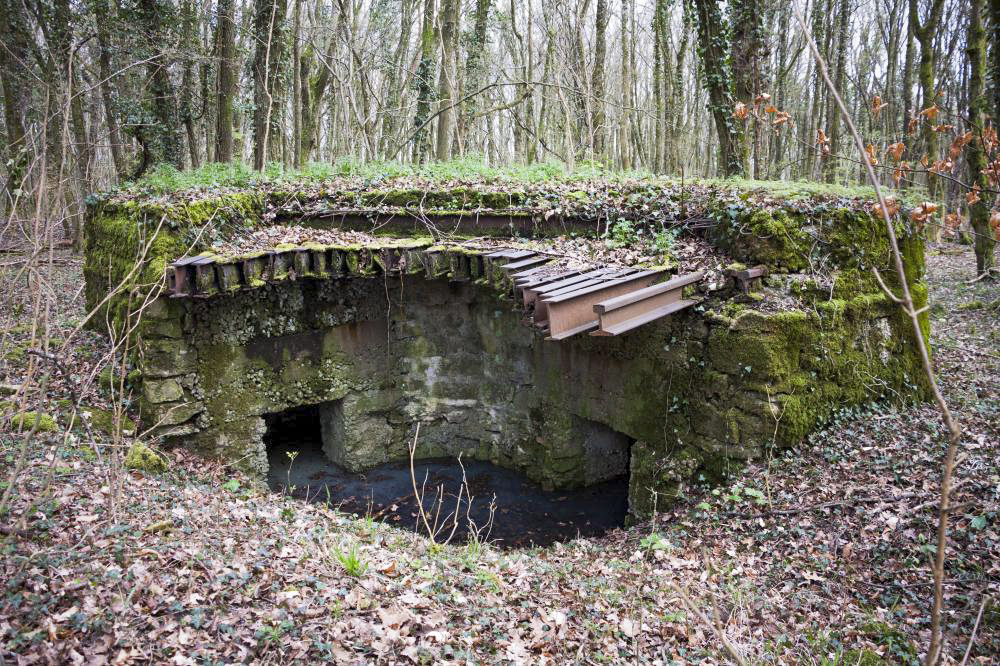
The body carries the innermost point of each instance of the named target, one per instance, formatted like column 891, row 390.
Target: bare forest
column 870, row 536
column 109, row 90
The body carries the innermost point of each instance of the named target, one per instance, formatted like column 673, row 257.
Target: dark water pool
column 524, row 513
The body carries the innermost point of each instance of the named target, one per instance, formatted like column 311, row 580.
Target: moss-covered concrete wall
column 683, row 397
column 692, row 394
column 128, row 244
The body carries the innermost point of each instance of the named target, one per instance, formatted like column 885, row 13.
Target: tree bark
column 425, row 77
column 161, row 142
column 101, row 14
column 995, row 59
column 979, row 212
column 840, row 78
column 746, row 51
column 446, row 78
column 187, row 80
column 924, row 34
column 712, row 51
column 475, row 68
column 269, row 19
column 226, row 86
column 597, row 78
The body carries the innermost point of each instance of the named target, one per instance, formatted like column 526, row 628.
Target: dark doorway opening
column 524, row 513
column 293, row 432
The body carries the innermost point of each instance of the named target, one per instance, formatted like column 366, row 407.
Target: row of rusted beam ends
column 565, row 302
column 203, row 276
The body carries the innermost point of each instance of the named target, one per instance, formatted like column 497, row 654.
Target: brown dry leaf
column 930, row 112
column 896, row 150
column 972, row 196
column 870, row 152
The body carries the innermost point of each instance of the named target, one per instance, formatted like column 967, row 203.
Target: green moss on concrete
column 828, row 238
column 129, row 244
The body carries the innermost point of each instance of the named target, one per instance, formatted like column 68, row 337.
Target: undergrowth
column 165, row 179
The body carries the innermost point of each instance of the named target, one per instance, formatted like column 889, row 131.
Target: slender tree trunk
column 226, row 86
column 187, row 80
column 840, row 78
column 446, row 78
column 297, row 157
column 979, row 212
column 597, row 79
column 102, row 21
column 475, row 69
column 924, row 34
column 395, row 83
column 269, row 19
column 162, row 142
column 745, row 56
column 995, row 60
column 624, row 123
column 425, row 77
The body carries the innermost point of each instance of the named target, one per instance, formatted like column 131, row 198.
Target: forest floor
column 819, row 555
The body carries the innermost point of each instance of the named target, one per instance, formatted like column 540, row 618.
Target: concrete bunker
column 368, row 334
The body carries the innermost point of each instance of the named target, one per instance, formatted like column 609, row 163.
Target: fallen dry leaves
column 799, row 559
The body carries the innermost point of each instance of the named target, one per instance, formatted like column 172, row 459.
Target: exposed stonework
column 695, row 393
column 382, row 341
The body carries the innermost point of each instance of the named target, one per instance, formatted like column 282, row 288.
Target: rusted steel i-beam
column 179, row 278
column 572, row 312
column 628, row 311
column 588, row 279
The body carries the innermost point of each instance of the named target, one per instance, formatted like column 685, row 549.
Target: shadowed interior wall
column 690, row 394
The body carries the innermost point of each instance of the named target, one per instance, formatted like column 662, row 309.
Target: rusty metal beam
column 623, row 313
column 569, row 311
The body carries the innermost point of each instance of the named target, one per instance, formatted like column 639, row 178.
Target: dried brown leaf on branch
column 930, row 113
column 878, row 105
column 896, row 150
column 870, row 152
column 972, row 196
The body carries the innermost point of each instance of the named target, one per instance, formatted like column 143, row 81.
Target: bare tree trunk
column 597, row 79
column 840, row 76
column 162, row 142
column 446, row 78
column 269, row 18
column 395, row 83
column 100, row 9
column 187, row 80
column 624, row 123
column 995, row 60
column 226, row 86
column 979, row 212
column 475, row 69
column 425, row 75
column 745, row 56
column 924, row 35
column 297, row 158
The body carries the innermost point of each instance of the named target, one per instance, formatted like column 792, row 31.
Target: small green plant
column 653, row 542
column 663, row 241
column 353, row 564
column 232, row 485
column 292, row 455
column 622, row 234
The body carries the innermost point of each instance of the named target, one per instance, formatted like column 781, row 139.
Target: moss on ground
column 141, row 457
column 25, row 421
